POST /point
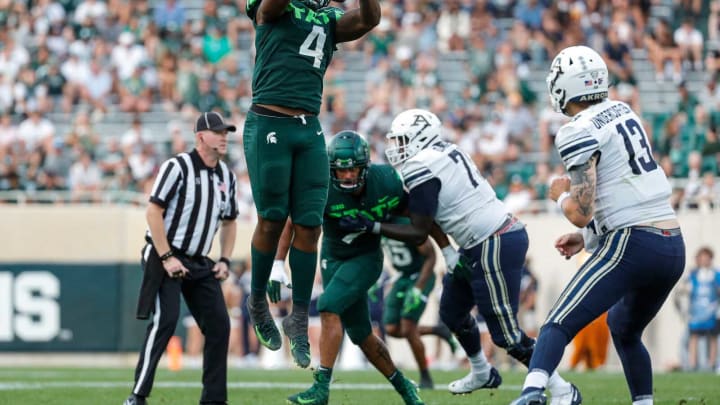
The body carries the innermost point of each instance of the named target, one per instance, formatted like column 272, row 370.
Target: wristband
column 376, row 228
column 562, row 198
column 447, row 250
column 225, row 260
column 167, row 255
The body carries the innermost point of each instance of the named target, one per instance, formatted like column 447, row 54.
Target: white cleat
column 570, row 397
column 472, row 382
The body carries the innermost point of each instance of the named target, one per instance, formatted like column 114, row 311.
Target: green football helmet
column 316, row 4
column 348, row 149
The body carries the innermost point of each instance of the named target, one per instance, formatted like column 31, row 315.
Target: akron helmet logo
column 595, row 96
column 421, row 120
column 271, row 138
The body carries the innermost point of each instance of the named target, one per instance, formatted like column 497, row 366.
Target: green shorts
column 346, row 285
column 288, row 167
column 395, row 300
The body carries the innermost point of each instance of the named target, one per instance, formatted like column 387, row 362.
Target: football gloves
column 458, row 265
column 278, row 278
column 359, row 223
column 374, row 293
column 413, row 300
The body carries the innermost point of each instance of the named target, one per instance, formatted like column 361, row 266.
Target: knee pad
column 275, row 214
column 616, row 324
column 456, row 322
column 463, row 326
column 521, row 352
column 526, row 340
column 325, row 304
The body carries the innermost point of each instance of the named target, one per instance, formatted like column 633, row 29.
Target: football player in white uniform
column 640, row 253
column 446, row 189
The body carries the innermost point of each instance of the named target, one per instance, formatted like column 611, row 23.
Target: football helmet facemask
column 410, row 132
column 577, row 73
column 347, row 150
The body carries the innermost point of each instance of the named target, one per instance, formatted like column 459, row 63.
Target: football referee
column 194, row 194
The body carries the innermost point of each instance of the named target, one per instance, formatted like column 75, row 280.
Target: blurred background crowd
column 95, row 94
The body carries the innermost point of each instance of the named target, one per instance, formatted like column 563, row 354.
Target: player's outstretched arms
column 358, row 21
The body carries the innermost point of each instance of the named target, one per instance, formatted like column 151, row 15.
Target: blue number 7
column 458, row 157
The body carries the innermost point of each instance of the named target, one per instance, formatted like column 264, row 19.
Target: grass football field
column 92, row 386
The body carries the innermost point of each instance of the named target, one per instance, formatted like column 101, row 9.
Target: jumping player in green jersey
column 285, row 148
column 407, row 299
column 351, row 262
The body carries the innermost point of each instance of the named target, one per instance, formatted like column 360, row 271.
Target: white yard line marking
column 24, row 385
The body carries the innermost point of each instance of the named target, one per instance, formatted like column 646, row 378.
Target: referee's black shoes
column 135, row 400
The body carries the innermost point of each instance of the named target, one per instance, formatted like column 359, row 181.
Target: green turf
column 21, row 386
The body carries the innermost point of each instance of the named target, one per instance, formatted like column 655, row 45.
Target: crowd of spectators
column 81, row 62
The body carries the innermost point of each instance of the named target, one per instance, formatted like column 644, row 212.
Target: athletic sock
column 261, row 267
column 397, row 379
column 302, row 268
column 479, row 363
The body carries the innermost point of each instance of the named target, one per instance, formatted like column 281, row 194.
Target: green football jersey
column 404, row 257
column 292, row 55
column 383, row 197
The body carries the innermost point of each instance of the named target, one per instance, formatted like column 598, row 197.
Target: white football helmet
column 410, row 132
column 577, row 73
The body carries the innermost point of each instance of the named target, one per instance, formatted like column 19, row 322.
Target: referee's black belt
column 177, row 252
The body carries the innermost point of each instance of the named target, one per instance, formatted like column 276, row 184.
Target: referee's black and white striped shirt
column 196, row 198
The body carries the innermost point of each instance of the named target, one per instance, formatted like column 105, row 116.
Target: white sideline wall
column 98, row 233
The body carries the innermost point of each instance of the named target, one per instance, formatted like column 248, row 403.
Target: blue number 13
column 633, row 128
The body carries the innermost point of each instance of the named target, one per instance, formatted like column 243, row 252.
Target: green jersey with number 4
column 292, row 55
column 382, row 197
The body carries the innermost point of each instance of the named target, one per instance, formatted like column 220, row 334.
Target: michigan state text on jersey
column 292, row 55
column 352, row 262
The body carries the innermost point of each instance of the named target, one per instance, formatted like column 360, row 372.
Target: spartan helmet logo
column 271, row 138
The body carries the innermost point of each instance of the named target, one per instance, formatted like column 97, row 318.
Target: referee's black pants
column 204, row 299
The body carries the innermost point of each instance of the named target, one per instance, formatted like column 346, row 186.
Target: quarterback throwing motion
column 620, row 196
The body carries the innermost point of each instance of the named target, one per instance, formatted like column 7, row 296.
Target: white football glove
column 278, row 274
column 278, row 278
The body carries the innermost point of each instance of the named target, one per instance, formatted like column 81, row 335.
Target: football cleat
column 426, row 383
column 317, row 394
column 265, row 329
column 571, row 397
column 135, row 400
column 534, row 397
column 409, row 393
column 295, row 328
column 473, row 381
